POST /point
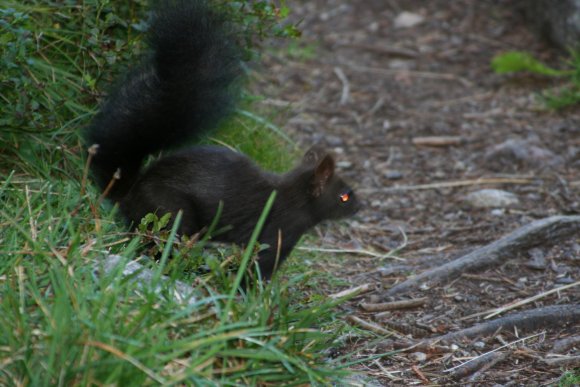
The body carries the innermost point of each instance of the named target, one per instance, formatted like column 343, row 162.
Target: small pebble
column 393, row 175
column 344, row 164
column 491, row 198
column 408, row 19
column 334, row 141
column 418, row 356
column 373, row 27
column 537, row 260
column 479, row 344
column 424, row 287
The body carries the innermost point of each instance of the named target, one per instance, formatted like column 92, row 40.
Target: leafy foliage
column 262, row 18
column 516, row 61
column 53, row 66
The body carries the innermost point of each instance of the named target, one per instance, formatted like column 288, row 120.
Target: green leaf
column 517, row 61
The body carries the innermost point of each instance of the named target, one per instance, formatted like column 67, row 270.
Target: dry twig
column 394, row 305
column 354, row 251
column 353, row 291
column 529, row 320
column 573, row 361
column 403, row 328
column 475, row 359
column 345, row 85
column 479, row 365
column 411, row 73
column 505, row 308
column 450, row 184
column 420, row 374
column 564, row 345
column 369, row 326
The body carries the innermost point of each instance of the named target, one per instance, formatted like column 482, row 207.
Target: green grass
column 62, row 324
column 570, row 378
column 65, row 323
column 258, row 138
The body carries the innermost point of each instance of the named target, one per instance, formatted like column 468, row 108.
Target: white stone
column 408, row 19
column 492, row 198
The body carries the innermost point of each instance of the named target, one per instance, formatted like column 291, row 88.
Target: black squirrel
column 180, row 92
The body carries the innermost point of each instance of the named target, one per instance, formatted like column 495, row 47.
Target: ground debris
column 545, row 231
column 429, row 81
column 403, row 304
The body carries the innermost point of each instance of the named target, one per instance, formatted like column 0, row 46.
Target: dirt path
column 372, row 91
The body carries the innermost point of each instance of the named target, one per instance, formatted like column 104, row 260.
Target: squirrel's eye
column 345, row 197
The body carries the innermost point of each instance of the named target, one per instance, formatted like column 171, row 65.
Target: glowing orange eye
column 344, row 197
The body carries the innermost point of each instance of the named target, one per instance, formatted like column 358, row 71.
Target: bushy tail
column 181, row 91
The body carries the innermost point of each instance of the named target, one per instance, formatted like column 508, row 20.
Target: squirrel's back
column 180, row 91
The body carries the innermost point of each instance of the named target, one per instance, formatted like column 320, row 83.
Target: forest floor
column 371, row 91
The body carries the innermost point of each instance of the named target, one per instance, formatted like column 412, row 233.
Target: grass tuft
column 66, row 323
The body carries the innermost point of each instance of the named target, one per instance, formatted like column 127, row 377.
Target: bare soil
column 370, row 93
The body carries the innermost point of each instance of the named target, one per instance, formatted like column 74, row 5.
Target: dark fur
column 182, row 92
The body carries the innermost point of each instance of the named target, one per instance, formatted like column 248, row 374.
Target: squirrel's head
column 330, row 196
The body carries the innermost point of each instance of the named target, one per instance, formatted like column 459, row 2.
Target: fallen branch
column 403, row 328
column 556, row 316
column 353, row 251
column 420, row 374
column 505, row 308
column 564, row 345
column 497, row 357
column 394, row 305
column 411, row 73
column 573, row 361
column 353, row 291
column 369, row 326
column 478, row 366
column 344, row 97
column 545, row 231
column 482, row 278
column 475, row 359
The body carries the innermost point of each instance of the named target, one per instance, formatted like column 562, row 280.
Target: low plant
column 64, row 321
column 517, row 61
column 570, row 378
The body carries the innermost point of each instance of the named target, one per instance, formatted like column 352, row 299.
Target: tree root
column 529, row 320
column 545, row 231
column 555, row 316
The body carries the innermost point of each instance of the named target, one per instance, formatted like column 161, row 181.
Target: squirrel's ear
column 313, row 155
column 322, row 173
